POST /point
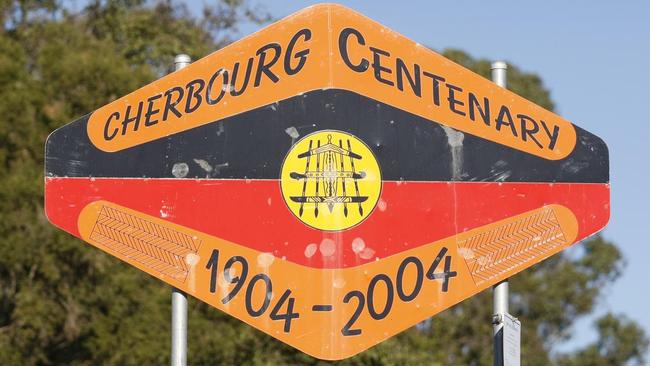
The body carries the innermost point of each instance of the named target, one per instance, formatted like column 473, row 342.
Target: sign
column 511, row 341
column 327, row 181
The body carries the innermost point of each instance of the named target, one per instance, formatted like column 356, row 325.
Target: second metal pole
column 179, row 328
column 179, row 298
column 500, row 293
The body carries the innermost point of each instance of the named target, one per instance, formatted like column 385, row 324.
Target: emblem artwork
column 327, row 181
column 330, row 180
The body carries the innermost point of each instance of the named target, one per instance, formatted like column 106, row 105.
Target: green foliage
column 65, row 303
column 620, row 342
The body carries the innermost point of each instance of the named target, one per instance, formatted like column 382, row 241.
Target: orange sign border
column 304, row 52
column 127, row 235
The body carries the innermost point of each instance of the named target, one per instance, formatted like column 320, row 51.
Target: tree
column 620, row 342
column 63, row 302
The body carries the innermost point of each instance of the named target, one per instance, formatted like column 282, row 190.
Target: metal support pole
column 179, row 298
column 499, row 69
column 500, row 290
column 179, row 328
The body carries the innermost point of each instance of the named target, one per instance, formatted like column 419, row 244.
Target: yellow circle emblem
column 330, row 180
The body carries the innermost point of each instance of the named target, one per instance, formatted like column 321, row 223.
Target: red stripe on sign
column 252, row 213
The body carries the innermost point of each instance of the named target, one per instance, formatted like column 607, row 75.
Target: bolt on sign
column 327, row 181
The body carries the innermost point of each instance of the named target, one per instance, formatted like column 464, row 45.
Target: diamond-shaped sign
column 327, row 181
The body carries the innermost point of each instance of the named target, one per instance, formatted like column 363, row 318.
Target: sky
column 594, row 58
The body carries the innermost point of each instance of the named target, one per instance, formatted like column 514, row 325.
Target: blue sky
column 594, row 56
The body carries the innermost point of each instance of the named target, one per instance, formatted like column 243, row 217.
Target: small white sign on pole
column 511, row 341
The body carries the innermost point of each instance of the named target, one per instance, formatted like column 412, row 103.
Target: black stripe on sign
column 253, row 145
